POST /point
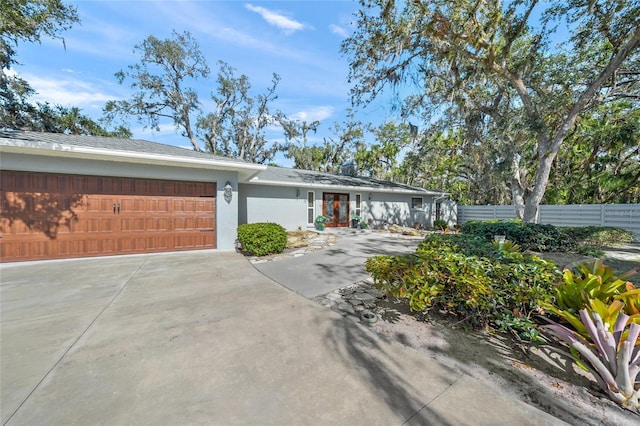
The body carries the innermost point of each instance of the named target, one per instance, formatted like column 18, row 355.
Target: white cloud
column 315, row 113
column 67, row 91
column 337, row 29
column 276, row 19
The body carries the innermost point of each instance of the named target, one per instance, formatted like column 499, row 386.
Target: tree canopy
column 163, row 84
column 492, row 72
column 30, row 20
column 160, row 83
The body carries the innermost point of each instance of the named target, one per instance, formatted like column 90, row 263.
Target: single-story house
column 294, row 198
column 69, row 196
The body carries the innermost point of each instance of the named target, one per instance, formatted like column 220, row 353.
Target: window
column 438, row 211
column 311, row 207
column 358, row 209
column 416, row 203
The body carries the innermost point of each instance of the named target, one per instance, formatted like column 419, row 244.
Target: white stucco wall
column 226, row 213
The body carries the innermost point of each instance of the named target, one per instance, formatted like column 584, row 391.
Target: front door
column 335, row 207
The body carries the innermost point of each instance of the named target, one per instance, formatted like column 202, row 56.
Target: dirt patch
column 297, row 239
column 563, row 260
column 542, row 376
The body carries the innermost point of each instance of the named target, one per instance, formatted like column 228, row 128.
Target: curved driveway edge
column 340, row 265
column 203, row 338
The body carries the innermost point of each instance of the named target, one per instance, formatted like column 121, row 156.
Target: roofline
column 63, row 150
column 255, row 181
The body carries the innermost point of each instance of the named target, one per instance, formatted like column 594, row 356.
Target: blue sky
column 299, row 40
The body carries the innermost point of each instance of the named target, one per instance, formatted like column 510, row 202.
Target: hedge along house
column 69, row 196
column 294, row 198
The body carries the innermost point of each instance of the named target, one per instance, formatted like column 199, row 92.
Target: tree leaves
column 30, row 20
column 491, row 71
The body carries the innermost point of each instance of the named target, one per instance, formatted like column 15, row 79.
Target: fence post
column 602, row 214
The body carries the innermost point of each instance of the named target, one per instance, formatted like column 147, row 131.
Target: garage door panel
column 52, row 216
column 195, row 241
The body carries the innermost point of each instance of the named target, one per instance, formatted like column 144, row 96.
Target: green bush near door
column 261, row 239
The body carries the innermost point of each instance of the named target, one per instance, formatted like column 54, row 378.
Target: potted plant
column 355, row 221
column 320, row 221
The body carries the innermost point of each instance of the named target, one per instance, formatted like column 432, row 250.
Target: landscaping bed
column 538, row 376
column 500, row 309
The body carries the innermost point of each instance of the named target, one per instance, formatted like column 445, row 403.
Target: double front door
column 335, row 207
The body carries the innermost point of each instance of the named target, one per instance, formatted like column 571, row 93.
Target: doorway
column 335, row 207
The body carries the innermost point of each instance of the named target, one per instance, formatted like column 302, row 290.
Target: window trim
column 311, row 207
column 421, row 203
column 358, row 209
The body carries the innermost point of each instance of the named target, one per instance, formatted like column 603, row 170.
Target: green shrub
column 440, row 224
column 529, row 236
column 470, row 245
column 468, row 277
column 599, row 236
column 261, row 239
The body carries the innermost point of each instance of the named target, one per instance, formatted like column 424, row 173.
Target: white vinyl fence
column 625, row 216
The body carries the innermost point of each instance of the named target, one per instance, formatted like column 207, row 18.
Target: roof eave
column 245, row 170
column 255, row 181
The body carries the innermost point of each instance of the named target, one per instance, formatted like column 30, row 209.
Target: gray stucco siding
column 276, row 204
column 226, row 212
column 287, row 205
column 395, row 208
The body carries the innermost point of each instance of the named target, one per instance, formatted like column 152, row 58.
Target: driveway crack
column 433, row 399
column 76, row 341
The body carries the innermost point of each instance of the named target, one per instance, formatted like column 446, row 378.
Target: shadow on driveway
column 323, row 271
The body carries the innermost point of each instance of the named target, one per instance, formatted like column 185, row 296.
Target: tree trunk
column 517, row 189
column 548, row 149
column 190, row 134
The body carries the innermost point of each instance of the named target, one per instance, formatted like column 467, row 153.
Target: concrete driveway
column 320, row 272
column 203, row 338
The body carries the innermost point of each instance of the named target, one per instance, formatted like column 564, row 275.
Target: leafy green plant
column 261, row 239
column 612, row 356
column 506, row 247
column 598, row 288
column 631, row 299
column 591, row 281
column 468, row 278
column 529, row 236
column 440, row 224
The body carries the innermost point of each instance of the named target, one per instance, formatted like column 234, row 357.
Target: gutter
column 255, row 181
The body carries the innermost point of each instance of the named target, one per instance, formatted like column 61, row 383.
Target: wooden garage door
column 47, row 216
